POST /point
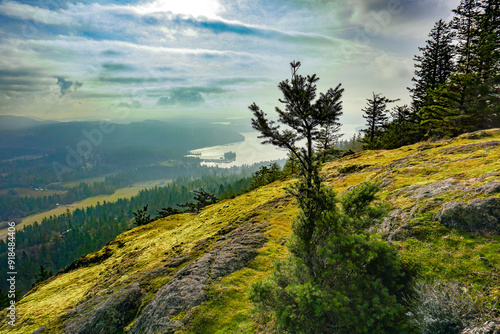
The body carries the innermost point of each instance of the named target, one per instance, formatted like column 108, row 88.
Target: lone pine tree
column 337, row 279
column 304, row 116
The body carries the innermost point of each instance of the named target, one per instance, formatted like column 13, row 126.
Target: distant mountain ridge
column 30, row 137
column 8, row 122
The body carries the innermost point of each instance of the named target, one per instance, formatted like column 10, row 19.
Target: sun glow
column 195, row 8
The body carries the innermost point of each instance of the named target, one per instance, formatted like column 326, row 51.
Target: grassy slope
column 432, row 249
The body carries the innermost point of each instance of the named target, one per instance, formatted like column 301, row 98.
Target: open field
column 31, row 192
column 90, row 180
column 127, row 192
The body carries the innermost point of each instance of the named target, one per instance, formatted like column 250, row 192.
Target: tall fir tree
column 455, row 108
column 487, row 54
column 376, row 118
column 434, row 65
column 476, row 24
column 326, row 140
column 465, row 25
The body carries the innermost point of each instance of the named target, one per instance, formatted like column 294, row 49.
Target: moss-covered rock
column 478, row 215
column 186, row 290
column 108, row 317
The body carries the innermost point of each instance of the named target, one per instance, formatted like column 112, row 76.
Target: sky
column 210, row 59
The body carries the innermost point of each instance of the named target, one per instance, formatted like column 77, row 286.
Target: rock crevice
column 187, row 288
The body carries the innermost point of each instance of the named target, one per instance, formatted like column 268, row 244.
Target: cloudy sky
column 94, row 59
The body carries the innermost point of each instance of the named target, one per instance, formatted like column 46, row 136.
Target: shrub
column 356, row 283
column 142, row 217
column 445, row 307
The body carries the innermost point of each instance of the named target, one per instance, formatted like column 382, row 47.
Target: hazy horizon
column 154, row 59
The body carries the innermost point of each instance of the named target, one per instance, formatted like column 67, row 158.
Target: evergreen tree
column 203, row 199
column 265, row 175
column 435, row 65
column 376, row 118
column 470, row 98
column 454, row 108
column 141, row 216
column 404, row 128
column 291, row 165
column 476, row 24
column 465, row 25
column 354, row 144
column 165, row 212
column 326, row 139
column 304, row 115
column 487, row 63
column 42, row 275
column 487, row 54
column 402, row 114
column 356, row 284
column 337, row 279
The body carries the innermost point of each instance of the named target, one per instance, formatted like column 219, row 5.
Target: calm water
column 248, row 152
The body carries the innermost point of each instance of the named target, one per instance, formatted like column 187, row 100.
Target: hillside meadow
column 207, row 262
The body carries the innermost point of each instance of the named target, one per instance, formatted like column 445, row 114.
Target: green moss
column 455, row 256
column 433, row 251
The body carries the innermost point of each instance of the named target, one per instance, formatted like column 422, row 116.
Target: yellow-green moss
column 433, row 250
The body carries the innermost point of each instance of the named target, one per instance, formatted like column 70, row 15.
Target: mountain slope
column 16, row 122
column 191, row 273
column 109, row 139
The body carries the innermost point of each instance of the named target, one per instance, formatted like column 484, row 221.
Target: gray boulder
column 479, row 215
column 489, row 188
column 110, row 316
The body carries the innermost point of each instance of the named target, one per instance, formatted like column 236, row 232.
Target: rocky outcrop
column 470, row 147
column 435, row 189
column 108, row 317
column 40, row 330
column 187, row 288
column 478, row 215
column 489, row 327
column 489, row 188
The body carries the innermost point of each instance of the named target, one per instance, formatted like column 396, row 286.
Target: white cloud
column 212, row 43
column 82, row 13
column 195, row 8
column 391, row 67
column 28, row 12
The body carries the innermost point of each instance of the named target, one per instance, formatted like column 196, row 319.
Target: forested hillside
column 433, row 188
column 456, row 84
column 57, row 241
